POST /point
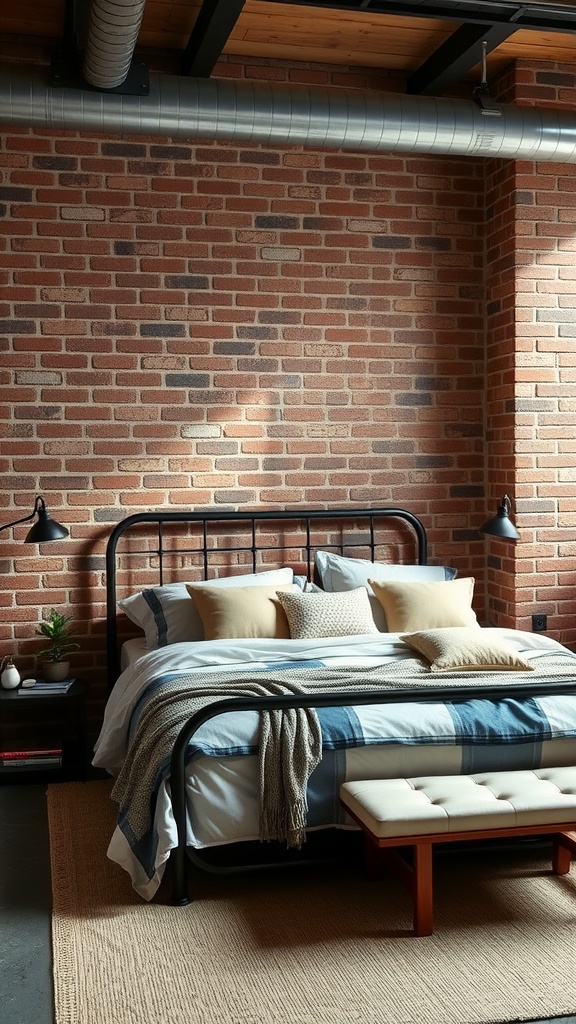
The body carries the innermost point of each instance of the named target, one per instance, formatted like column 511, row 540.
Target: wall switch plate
column 539, row 623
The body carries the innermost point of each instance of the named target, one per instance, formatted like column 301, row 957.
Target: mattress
column 132, row 650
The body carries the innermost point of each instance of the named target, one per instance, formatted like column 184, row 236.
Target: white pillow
column 168, row 614
column 306, row 585
column 338, row 573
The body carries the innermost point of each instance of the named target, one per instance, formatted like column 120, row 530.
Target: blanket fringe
column 285, row 824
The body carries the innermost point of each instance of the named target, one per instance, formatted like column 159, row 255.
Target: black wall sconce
column 45, row 529
column 501, row 525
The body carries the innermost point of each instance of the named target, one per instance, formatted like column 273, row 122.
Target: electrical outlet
column 539, row 623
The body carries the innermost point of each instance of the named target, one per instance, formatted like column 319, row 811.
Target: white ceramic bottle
column 10, row 676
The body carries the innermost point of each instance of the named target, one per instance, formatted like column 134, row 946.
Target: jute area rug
column 306, row 946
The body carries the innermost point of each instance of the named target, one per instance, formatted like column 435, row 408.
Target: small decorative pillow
column 229, row 613
column 318, row 614
column 416, row 606
column 460, row 649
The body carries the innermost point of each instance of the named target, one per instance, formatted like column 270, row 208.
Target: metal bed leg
column 180, row 897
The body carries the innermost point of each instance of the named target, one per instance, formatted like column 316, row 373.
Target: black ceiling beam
column 75, row 26
column 539, row 17
column 452, row 61
column 214, row 23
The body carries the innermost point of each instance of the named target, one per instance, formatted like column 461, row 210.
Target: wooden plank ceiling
column 436, row 46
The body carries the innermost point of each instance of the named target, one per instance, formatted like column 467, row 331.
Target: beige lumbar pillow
column 320, row 614
column 461, row 649
column 229, row 613
column 415, row 606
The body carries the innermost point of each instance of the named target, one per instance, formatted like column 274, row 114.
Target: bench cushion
column 440, row 804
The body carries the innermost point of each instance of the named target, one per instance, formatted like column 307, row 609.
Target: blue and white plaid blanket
column 471, row 734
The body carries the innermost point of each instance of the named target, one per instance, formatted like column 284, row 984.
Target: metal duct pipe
column 240, row 111
column 110, row 41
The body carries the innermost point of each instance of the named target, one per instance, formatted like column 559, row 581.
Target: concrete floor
column 25, row 907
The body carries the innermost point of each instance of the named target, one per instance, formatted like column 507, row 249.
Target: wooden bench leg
column 373, row 859
column 422, row 889
column 416, row 876
column 564, row 845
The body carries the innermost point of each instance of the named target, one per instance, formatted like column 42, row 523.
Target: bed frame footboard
column 180, row 860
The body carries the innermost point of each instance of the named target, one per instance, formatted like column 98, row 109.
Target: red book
column 13, row 755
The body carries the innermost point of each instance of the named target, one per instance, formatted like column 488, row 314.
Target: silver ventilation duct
column 110, row 41
column 240, row 111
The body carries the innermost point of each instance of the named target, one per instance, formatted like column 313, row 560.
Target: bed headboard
column 149, row 546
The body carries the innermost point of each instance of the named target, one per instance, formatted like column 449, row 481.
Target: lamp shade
column 501, row 525
column 44, row 529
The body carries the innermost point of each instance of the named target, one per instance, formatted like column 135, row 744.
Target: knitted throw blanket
column 290, row 742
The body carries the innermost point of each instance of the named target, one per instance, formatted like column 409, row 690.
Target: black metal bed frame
column 182, row 856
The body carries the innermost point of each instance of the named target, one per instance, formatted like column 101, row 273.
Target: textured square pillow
column 316, row 615
column 229, row 613
column 460, row 649
column 417, row 606
column 168, row 616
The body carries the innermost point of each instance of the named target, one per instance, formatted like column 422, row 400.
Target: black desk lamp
column 501, row 525
column 45, row 529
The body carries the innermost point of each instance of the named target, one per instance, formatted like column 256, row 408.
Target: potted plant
column 60, row 635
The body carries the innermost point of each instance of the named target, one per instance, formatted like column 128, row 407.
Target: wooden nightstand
column 50, row 727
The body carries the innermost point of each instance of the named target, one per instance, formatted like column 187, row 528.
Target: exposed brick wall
column 531, row 327
column 195, row 325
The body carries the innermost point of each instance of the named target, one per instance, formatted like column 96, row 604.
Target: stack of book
column 27, row 760
column 44, row 686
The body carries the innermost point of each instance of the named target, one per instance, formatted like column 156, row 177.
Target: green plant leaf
column 59, row 631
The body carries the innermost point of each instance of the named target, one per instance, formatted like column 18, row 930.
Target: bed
column 275, row 655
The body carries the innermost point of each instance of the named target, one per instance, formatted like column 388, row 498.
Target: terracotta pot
column 54, row 671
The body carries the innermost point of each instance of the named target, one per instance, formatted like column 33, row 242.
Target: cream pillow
column 416, row 606
column 458, row 648
column 318, row 614
column 229, row 613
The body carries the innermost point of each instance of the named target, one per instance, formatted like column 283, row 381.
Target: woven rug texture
column 304, row 946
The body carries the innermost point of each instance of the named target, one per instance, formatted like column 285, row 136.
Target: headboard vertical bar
column 205, row 547
column 372, row 540
column 161, row 553
column 254, row 548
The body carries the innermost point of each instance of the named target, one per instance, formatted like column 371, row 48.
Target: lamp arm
column 38, row 505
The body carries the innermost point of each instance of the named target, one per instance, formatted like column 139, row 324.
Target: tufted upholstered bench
column 419, row 812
